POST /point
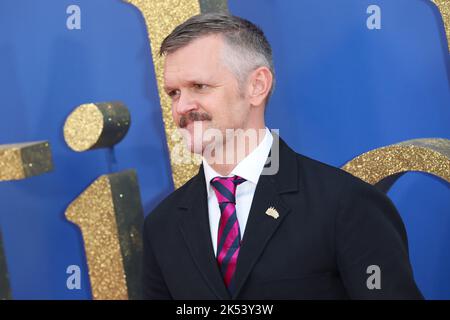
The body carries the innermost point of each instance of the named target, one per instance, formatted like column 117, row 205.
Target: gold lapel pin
column 272, row 212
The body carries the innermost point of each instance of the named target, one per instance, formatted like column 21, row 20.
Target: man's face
column 205, row 93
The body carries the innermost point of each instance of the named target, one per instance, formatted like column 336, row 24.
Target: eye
column 173, row 93
column 200, row 86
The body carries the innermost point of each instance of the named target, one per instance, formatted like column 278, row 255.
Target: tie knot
column 225, row 188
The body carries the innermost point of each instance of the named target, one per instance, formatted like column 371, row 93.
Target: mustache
column 193, row 116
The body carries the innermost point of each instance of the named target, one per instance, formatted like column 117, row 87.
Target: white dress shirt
column 250, row 169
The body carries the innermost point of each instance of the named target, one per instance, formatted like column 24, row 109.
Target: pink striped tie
column 229, row 236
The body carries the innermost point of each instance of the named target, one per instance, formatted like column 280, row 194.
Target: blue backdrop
column 342, row 89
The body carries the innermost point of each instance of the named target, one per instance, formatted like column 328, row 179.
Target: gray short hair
column 247, row 47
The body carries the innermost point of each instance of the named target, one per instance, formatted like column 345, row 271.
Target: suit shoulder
column 348, row 192
column 318, row 173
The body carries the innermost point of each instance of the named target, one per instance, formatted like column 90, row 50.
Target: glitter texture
column 96, row 125
column 161, row 18
column 213, row 6
column 93, row 212
column 23, row 160
column 444, row 8
column 111, row 228
column 83, row 127
column 129, row 220
column 5, row 290
column 20, row 161
column 425, row 155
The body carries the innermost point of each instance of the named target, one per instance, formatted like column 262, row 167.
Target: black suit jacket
column 331, row 228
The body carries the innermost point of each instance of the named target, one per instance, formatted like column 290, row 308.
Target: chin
column 194, row 146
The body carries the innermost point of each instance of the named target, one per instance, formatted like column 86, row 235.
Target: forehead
column 201, row 59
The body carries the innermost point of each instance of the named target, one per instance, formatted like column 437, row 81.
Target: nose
column 185, row 103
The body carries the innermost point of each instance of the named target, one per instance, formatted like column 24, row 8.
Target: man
column 303, row 231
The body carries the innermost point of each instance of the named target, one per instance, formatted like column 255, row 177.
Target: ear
column 260, row 82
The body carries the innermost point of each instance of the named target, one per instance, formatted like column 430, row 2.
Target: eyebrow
column 189, row 82
column 168, row 89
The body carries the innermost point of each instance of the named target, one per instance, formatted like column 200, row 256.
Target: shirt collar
column 249, row 168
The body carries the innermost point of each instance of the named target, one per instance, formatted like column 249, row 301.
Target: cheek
column 238, row 111
column 174, row 115
column 225, row 108
column 211, row 105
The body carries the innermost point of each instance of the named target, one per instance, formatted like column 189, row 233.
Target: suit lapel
column 194, row 225
column 260, row 226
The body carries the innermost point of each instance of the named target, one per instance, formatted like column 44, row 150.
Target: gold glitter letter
column 444, row 8
column 96, row 125
column 20, row 161
column 383, row 166
column 109, row 214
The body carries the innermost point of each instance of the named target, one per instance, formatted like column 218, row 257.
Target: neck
column 237, row 146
